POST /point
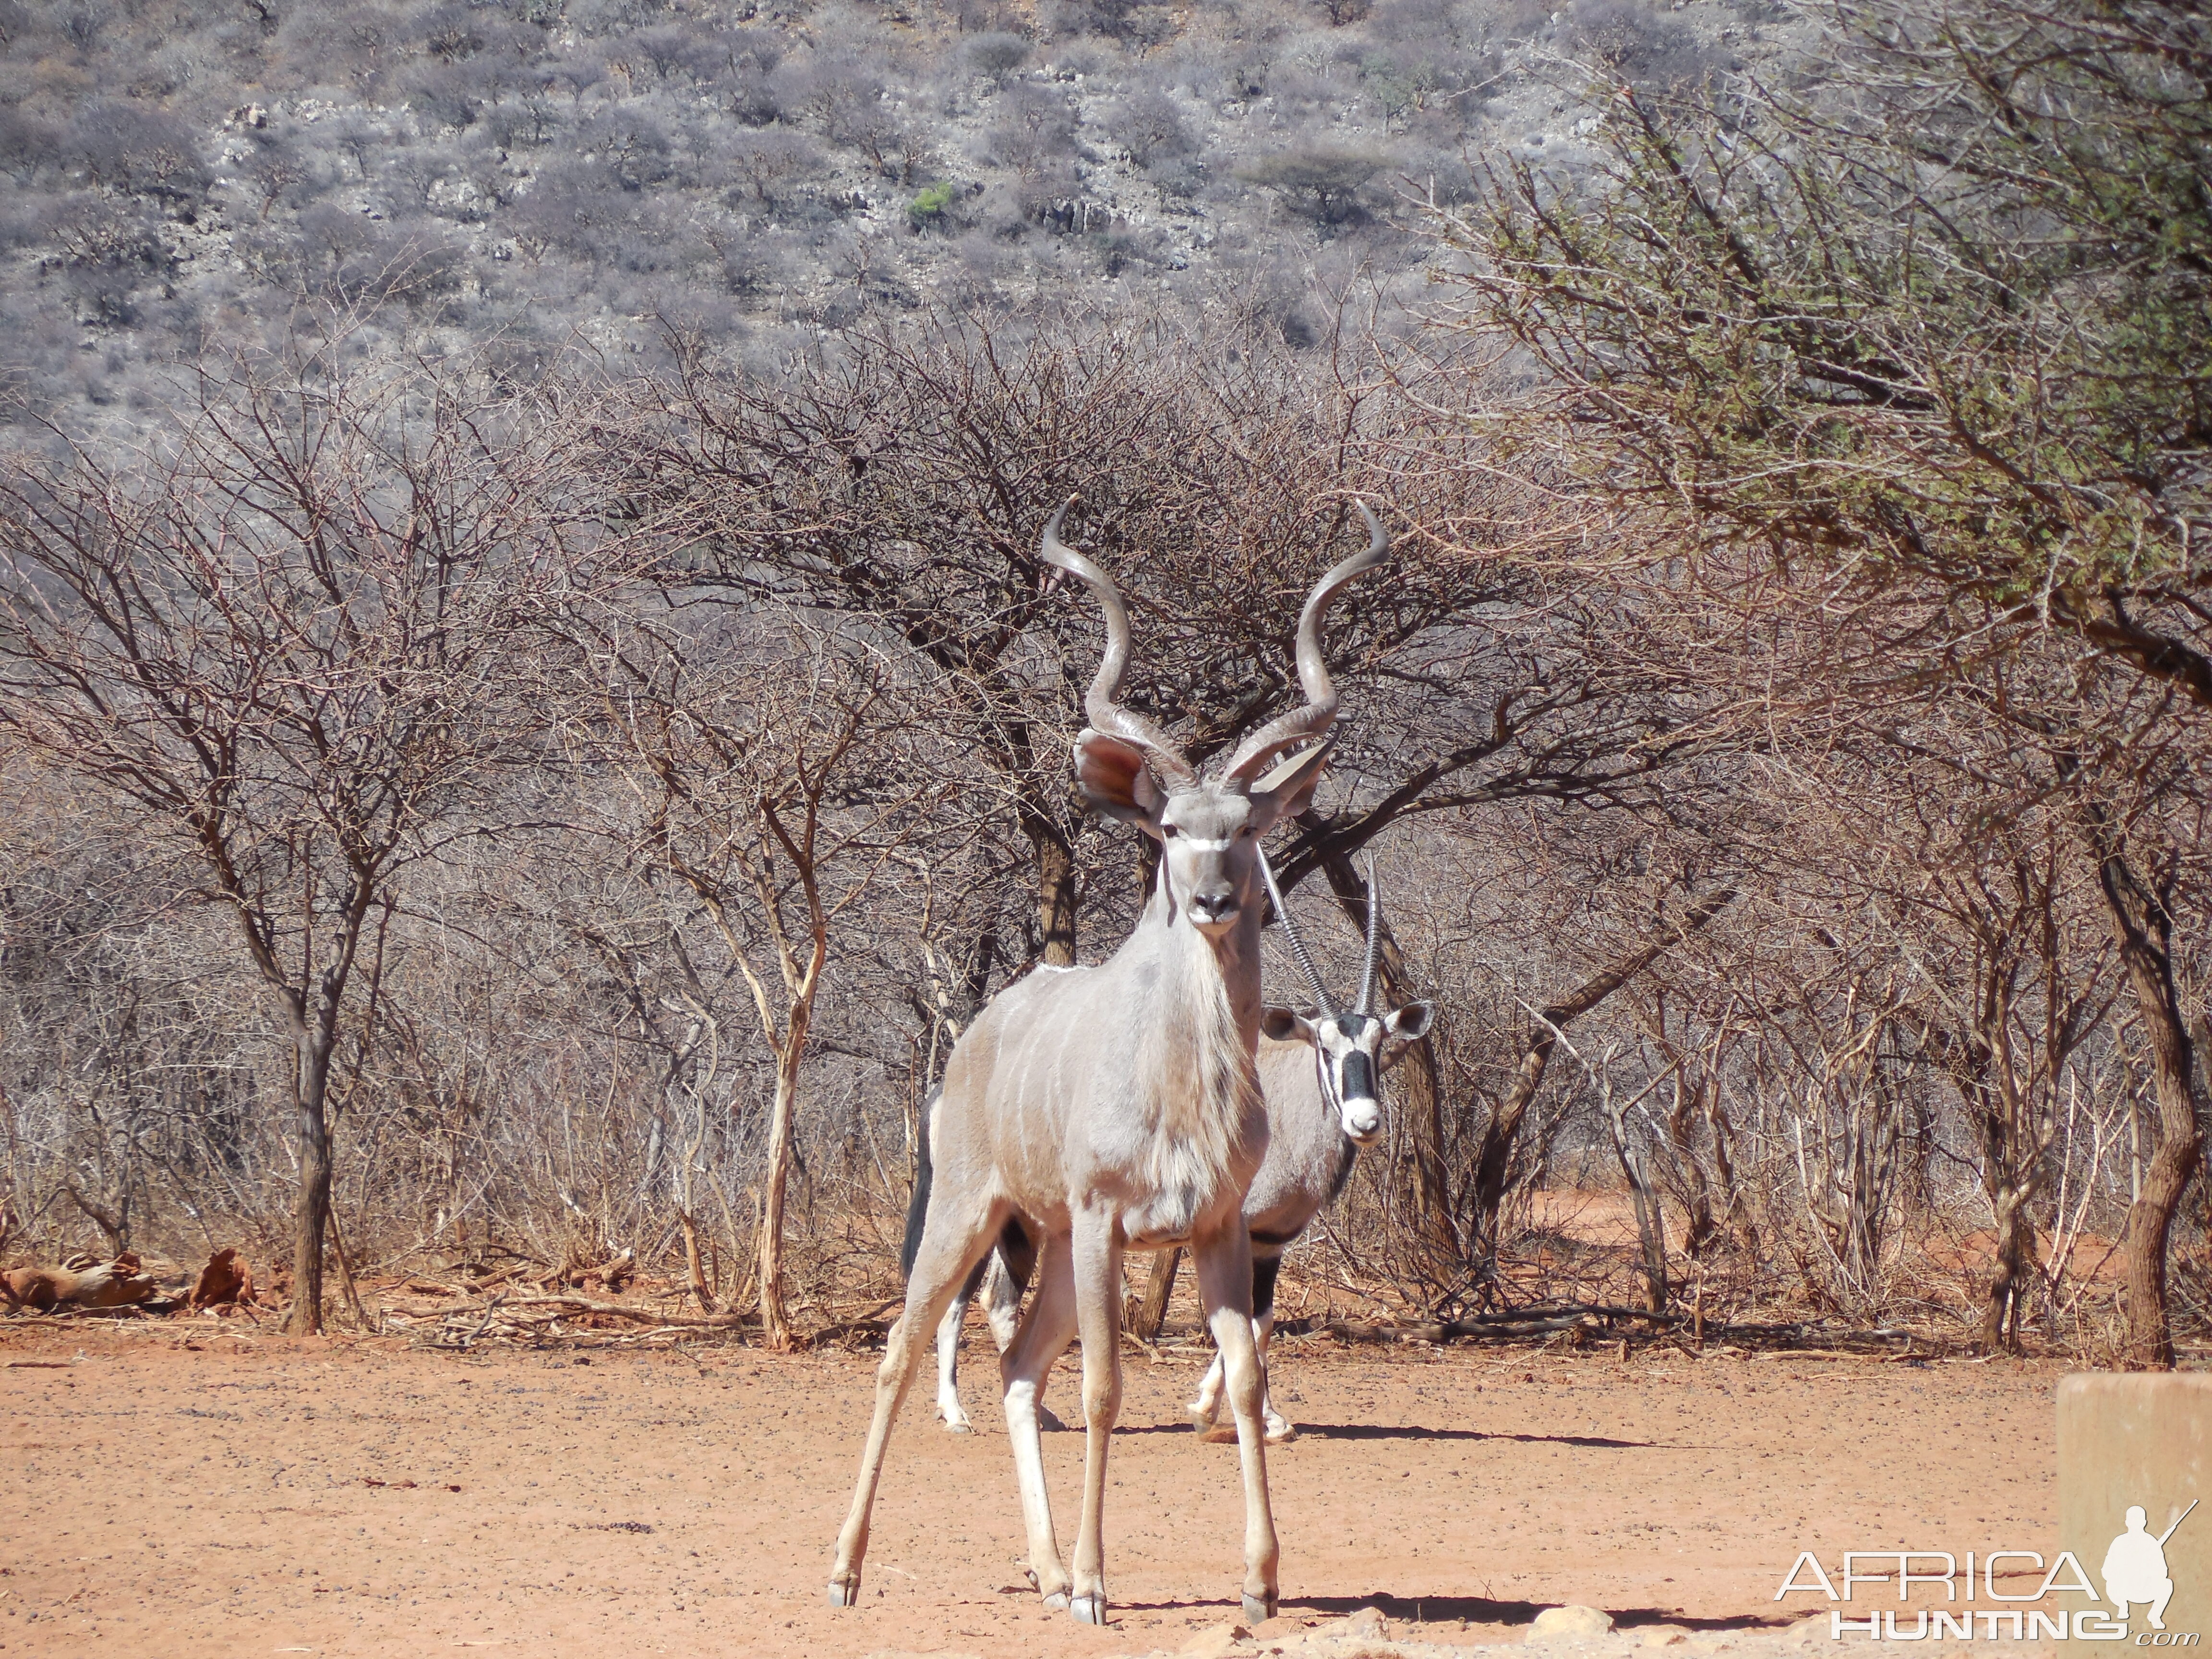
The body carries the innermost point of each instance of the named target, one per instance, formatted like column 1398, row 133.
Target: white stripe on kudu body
column 1322, row 1077
column 1118, row 1107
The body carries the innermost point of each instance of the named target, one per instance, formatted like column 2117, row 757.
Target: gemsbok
column 1118, row 1107
column 1322, row 1077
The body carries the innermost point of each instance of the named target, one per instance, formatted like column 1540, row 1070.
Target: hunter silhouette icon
column 2135, row 1566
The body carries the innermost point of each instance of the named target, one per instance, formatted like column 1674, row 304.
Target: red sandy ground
column 176, row 1491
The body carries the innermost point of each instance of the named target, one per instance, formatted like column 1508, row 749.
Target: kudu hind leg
column 1204, row 1410
column 1002, row 1301
column 1041, row 1338
column 950, row 1247
column 1224, row 1284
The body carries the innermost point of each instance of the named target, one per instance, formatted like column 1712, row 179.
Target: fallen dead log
column 115, row 1284
column 1554, row 1311
column 850, row 1330
column 620, row 1310
column 1456, row 1330
column 1501, row 1330
column 580, row 1274
column 1593, row 1320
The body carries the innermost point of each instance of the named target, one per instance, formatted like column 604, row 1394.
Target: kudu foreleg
column 1225, row 1283
column 1097, row 1262
column 1206, row 1408
column 950, row 1247
column 1041, row 1338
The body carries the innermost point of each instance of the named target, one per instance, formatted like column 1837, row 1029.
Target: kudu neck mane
column 1197, row 1002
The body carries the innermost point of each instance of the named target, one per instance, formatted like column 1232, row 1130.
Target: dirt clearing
column 243, row 1498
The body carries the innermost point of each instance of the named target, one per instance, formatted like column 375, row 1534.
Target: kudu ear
column 1285, row 1024
column 1288, row 790
column 1114, row 779
column 1409, row 1024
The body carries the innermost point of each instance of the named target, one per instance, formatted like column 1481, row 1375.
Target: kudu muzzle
column 1213, row 902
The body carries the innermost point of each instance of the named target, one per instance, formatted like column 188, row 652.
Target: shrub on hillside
column 1319, row 182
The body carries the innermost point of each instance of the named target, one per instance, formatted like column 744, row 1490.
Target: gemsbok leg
column 948, row 1342
column 1223, row 1260
column 1002, row 1307
column 951, row 1245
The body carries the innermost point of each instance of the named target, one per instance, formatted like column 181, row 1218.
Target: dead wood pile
column 80, row 1282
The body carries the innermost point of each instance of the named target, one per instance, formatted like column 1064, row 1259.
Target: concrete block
column 2140, row 1440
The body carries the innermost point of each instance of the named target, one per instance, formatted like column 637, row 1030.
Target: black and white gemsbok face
column 1348, row 1045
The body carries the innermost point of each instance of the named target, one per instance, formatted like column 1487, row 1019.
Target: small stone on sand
column 1214, row 1643
column 1569, row 1621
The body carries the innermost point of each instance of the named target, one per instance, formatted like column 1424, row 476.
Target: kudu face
column 1209, row 829
column 1348, row 1048
column 1209, row 832
column 1207, row 840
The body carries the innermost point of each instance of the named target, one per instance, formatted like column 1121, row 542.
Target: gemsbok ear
column 1411, row 1023
column 1285, row 1024
column 1114, row 779
column 1288, row 790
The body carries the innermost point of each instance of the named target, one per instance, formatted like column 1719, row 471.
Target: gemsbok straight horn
column 1118, row 1107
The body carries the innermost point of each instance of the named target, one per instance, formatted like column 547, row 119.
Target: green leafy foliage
column 927, row 208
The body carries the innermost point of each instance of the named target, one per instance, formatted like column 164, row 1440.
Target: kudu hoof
column 1088, row 1609
column 962, row 1426
column 1048, row 1424
column 1280, row 1433
column 1056, row 1600
column 845, row 1595
column 1255, row 1609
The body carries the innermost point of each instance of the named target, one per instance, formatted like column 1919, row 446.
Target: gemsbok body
column 1118, row 1107
column 1322, row 1076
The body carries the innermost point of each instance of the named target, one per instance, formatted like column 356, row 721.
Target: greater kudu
column 1118, row 1106
column 1322, row 1076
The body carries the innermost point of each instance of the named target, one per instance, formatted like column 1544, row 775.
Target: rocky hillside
column 542, row 175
